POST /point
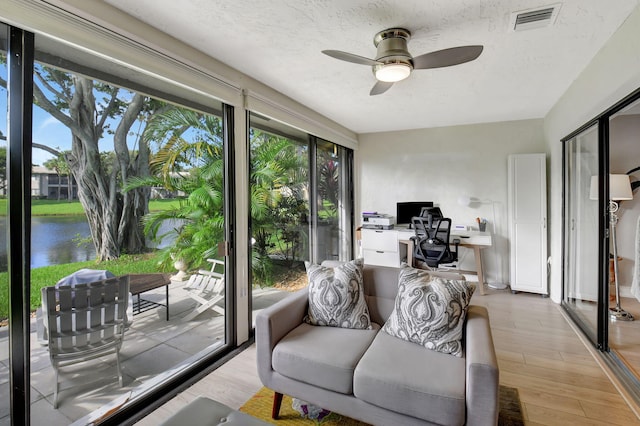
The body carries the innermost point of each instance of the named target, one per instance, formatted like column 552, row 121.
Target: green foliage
column 191, row 141
column 3, row 166
column 64, row 208
column 54, row 207
column 59, row 164
column 279, row 200
column 290, row 217
column 328, row 185
column 262, row 268
column 189, row 160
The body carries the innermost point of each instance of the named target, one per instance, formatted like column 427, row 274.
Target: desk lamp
column 619, row 189
column 467, row 201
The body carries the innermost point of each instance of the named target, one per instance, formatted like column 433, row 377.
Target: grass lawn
column 64, row 207
column 49, row 275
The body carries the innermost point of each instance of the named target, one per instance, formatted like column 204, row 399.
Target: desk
column 387, row 247
column 140, row 283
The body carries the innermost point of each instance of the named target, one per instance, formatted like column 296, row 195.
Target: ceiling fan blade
column 447, row 57
column 380, row 87
column 350, row 57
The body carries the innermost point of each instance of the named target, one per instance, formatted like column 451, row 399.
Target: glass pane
column 123, row 184
column 333, row 205
column 624, row 151
column 4, row 289
column 581, row 225
column 279, row 185
column 282, row 226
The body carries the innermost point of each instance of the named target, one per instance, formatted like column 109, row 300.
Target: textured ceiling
column 520, row 75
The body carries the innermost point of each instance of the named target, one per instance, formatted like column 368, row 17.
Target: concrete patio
column 152, row 346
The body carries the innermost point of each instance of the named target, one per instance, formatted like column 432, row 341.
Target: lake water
column 55, row 240
column 52, row 240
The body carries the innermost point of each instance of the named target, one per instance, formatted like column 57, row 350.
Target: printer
column 377, row 221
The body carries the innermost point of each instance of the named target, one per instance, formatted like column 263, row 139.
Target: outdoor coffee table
column 140, row 283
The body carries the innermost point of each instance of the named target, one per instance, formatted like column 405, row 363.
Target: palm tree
column 279, row 188
column 189, row 161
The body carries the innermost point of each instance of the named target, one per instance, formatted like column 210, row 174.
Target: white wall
column 612, row 74
column 443, row 164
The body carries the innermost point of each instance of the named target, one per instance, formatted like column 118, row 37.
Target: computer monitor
column 408, row 209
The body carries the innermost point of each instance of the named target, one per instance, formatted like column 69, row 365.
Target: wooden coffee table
column 140, row 283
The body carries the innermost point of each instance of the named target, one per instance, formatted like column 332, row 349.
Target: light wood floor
column 559, row 381
column 624, row 336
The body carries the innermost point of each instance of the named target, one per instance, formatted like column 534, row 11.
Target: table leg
column 167, row 289
column 478, row 257
column 409, row 246
column 138, row 303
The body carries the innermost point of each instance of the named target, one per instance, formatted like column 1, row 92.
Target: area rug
column 261, row 403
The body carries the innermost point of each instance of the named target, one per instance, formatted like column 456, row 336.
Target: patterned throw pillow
column 430, row 311
column 336, row 296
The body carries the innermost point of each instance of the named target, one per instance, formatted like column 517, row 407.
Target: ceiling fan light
column 392, row 73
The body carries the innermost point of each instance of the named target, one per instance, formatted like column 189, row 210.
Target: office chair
column 431, row 242
column 431, row 214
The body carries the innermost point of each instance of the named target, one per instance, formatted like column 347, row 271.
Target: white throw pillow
column 336, row 296
column 430, row 310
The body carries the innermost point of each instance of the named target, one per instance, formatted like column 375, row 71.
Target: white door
column 528, row 222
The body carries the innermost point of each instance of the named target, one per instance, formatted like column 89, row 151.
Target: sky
column 46, row 129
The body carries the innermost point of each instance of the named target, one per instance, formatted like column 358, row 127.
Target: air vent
column 534, row 18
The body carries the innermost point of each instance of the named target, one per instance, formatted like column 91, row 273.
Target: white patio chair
column 207, row 289
column 84, row 322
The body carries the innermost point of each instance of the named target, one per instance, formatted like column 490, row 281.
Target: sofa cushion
column 204, row 411
column 430, row 310
column 322, row 356
column 405, row 378
column 336, row 296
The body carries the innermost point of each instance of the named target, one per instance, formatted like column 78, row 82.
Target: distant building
column 46, row 183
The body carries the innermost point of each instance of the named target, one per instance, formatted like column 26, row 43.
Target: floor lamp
column 619, row 189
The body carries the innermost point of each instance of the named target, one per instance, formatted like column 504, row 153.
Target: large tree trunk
column 135, row 203
column 114, row 218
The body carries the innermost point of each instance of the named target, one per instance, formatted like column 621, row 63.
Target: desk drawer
column 381, row 258
column 373, row 239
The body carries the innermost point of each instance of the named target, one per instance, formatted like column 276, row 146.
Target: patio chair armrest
column 274, row 322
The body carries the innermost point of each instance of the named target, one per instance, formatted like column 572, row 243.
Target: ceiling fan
column 393, row 61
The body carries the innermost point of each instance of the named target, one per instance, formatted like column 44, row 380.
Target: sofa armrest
column 482, row 369
column 275, row 322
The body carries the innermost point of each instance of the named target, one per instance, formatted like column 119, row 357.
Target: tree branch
column 46, row 148
column 113, row 102
column 49, row 87
column 49, row 107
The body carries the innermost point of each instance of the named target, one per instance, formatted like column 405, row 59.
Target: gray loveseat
column 371, row 376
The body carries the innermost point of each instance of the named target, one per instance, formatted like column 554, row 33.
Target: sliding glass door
column 4, row 278
column 582, row 239
column 301, row 206
column 128, row 177
column 280, row 210
column 601, row 219
column 333, row 202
